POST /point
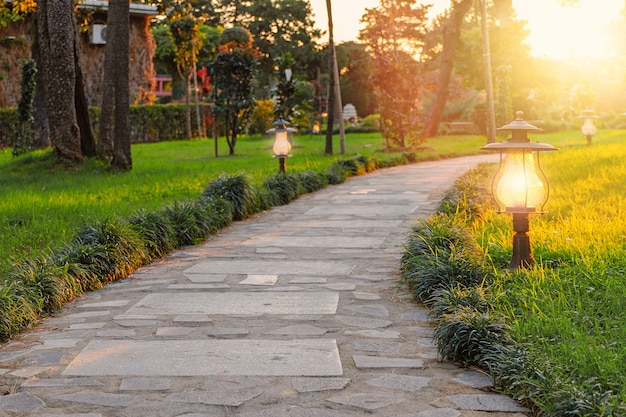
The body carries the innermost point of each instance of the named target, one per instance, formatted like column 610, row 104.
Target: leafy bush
column 311, row 181
column 238, row 191
column 336, row 174
column 157, row 231
column 466, row 335
column 187, row 226
column 282, row 188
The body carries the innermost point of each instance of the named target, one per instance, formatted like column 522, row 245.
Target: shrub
column 218, row 212
column 184, row 218
column 311, row 181
column 282, row 188
column 237, row 190
column 157, row 231
column 336, row 175
column 108, row 249
column 466, row 335
column 19, row 307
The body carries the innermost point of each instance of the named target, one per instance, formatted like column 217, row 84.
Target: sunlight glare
column 583, row 31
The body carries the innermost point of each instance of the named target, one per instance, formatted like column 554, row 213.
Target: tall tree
column 115, row 109
column 330, row 111
column 57, row 35
column 119, row 16
column 451, row 36
column 394, row 33
column 232, row 71
column 277, row 27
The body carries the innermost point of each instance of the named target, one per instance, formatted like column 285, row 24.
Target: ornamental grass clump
column 282, row 189
column 441, row 254
column 157, row 231
column 311, row 181
column 237, row 190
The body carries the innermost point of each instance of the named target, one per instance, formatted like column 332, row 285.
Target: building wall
column 15, row 44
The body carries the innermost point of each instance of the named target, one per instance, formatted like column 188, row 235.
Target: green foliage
column 311, row 181
column 238, row 35
column 237, row 190
column 157, row 231
column 559, row 351
column 467, row 335
column 188, row 225
column 232, row 72
column 283, row 188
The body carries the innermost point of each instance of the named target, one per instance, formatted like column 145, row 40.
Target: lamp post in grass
column 282, row 142
column 520, row 186
column 588, row 129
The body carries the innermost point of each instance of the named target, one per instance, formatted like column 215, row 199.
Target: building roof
column 136, row 9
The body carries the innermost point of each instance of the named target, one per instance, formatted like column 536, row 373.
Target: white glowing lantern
column 282, row 141
column 520, row 187
column 589, row 128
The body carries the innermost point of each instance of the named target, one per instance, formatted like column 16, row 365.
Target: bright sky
column 555, row 31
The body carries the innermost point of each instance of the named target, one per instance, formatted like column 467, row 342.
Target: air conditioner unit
column 98, row 34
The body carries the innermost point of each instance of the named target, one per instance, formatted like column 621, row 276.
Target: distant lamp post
column 589, row 128
column 520, row 187
column 282, row 141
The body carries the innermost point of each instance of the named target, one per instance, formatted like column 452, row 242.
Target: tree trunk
column 56, row 40
column 330, row 109
column 105, row 128
column 451, row 35
column 41, row 132
column 87, row 139
column 121, row 134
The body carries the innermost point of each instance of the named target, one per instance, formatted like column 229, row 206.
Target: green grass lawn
column 568, row 311
column 41, row 206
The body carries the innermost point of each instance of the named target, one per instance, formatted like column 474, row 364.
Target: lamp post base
column 522, row 254
column 281, row 164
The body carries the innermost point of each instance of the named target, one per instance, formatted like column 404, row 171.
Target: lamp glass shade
column 588, row 129
column 520, row 185
column 281, row 143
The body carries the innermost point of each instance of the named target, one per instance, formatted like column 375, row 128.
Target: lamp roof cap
column 520, row 124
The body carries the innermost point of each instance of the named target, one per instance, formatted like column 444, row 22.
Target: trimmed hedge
column 149, row 123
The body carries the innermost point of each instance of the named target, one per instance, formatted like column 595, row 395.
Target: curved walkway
column 291, row 313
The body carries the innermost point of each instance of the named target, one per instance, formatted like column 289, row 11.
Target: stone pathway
column 294, row 312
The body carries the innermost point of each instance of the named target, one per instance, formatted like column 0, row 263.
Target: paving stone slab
column 487, row 402
column 61, row 382
column 295, row 411
column 382, row 346
column 22, row 402
column 370, row 210
column 376, row 310
column 367, row 401
column 205, row 278
column 240, row 303
column 319, row 384
column 265, row 267
column 437, row 412
column 366, row 322
column 304, row 357
column 360, row 242
column 379, row 334
column 407, row 383
column 364, row 362
column 226, row 398
column 260, row 280
column 99, row 398
column 145, row 384
column 475, row 379
column 299, row 329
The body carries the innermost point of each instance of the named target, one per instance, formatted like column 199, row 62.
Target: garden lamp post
column 588, row 129
column 520, row 187
column 282, row 141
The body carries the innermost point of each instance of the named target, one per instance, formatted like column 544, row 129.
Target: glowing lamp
column 589, row 128
column 520, row 186
column 282, row 141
